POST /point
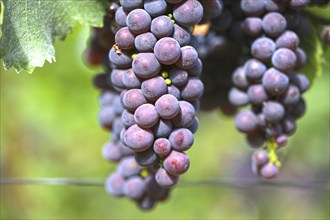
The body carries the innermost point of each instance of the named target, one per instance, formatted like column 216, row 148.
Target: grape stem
column 271, row 147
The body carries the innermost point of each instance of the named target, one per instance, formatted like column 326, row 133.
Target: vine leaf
column 30, row 27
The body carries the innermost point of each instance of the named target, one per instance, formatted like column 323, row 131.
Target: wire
column 247, row 183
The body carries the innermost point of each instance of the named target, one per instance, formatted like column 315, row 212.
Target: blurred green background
column 49, row 128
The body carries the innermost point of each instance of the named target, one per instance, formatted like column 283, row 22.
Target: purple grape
column 301, row 58
column 146, row 158
column 128, row 167
column 181, row 139
column 146, row 203
column 237, row 97
column 134, row 187
column 176, row 163
column 282, row 140
column 260, row 157
column 289, row 125
column 273, row 130
column 121, row 16
column 275, row 5
column 275, row 82
column 127, row 118
column 181, row 35
column 145, row 42
column 298, row 4
column 173, row 90
column 253, row 7
column 291, row 95
column 133, row 98
column 192, row 90
column 273, row 111
column 254, row 69
column 114, row 185
column 212, row 8
column 239, row 78
column 164, row 179
column 154, row 88
column 162, row 147
column 138, row 139
column 130, row 80
column 263, row 48
column 188, row 12
column 124, row 38
column 188, row 57
column 273, row 24
column 106, row 98
column 269, row 171
column 301, row 81
column 138, row 21
column 284, row 59
column 194, row 126
column 167, row 50
column 111, row 152
column 178, row 76
column 146, row 116
column 163, row 128
column 196, row 69
column 257, row 94
column 130, row 5
column 186, row 115
column 252, row 26
column 161, row 26
column 288, row 39
column 246, row 121
column 146, row 65
column 167, row 106
column 155, row 7
column 120, row 60
column 117, row 78
column 298, row 110
column 106, row 117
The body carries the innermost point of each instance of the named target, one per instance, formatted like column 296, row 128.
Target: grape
column 254, row 69
column 273, row 24
column 121, row 16
column 138, row 21
column 186, row 115
column 246, row 121
column 301, row 58
column 275, row 5
column 256, row 139
column 114, row 184
column 162, row 147
column 128, row 167
column 212, row 8
column 188, row 57
column 282, row 140
column 163, row 128
column 194, row 126
column 252, row 26
column 134, row 187
column 146, row 65
column 164, row 179
column 133, row 98
column 269, row 170
column 147, row 203
column 161, row 26
column 173, row 1
column 146, row 116
column 178, row 76
column 273, row 111
column 288, row 39
column 117, row 104
column 237, row 97
column 299, row 109
column 181, row 139
column 298, row 4
column 291, row 96
column 188, row 12
column 127, row 118
column 155, row 7
column 167, row 106
column 146, row 158
column 167, row 50
column 130, row 5
column 289, row 125
column 257, row 94
column 173, row 90
column 124, row 150
column 253, row 7
column 130, row 80
column 263, row 48
column 260, row 157
column 176, row 163
column 273, row 130
column 117, row 78
column 275, row 82
column 145, row 42
column 301, row 81
column 120, row 60
column 284, row 60
column 154, row 88
column 111, row 152
column 138, row 139
column 107, row 116
column 106, row 98
column 239, row 78
column 196, row 69
column 181, row 35
column 100, row 81
column 192, row 90
column 124, row 38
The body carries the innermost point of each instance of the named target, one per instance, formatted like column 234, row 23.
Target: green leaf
column 321, row 12
column 315, row 55
column 30, row 27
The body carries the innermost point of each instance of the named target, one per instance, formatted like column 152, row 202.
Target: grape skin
column 146, row 65
column 138, row 139
column 161, row 26
column 167, row 50
column 162, row 147
column 165, row 179
column 181, row 139
column 167, row 106
column 154, row 88
column 155, row 7
column 145, row 42
column 138, row 21
column 188, row 12
column 146, row 116
column 176, row 163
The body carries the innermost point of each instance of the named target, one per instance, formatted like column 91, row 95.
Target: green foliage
column 30, row 27
column 322, row 12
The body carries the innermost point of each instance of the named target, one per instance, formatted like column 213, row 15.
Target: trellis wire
column 245, row 183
